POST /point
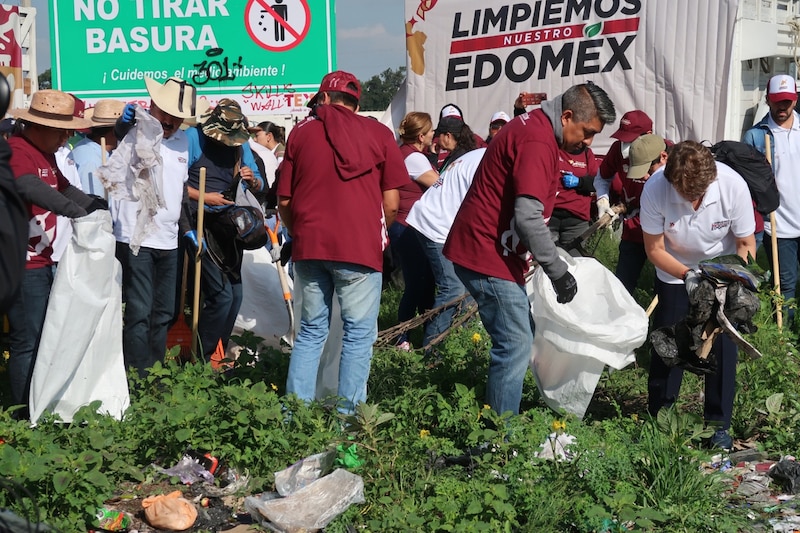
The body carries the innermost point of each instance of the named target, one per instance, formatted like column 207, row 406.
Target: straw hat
column 53, row 109
column 105, row 113
column 175, row 97
column 226, row 123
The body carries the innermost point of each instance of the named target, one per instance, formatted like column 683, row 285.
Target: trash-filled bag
column 80, row 353
column 311, row 508
column 602, row 325
column 263, row 310
column 169, row 511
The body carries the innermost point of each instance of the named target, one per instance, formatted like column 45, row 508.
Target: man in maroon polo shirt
column 503, row 218
column 337, row 194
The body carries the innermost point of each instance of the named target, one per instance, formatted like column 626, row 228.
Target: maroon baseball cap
column 338, row 81
column 632, row 125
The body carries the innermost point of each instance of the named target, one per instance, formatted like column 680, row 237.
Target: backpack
column 753, row 166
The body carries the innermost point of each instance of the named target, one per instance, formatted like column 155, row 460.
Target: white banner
column 669, row 58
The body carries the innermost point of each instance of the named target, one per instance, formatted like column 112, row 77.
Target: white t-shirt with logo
column 433, row 214
column 725, row 214
column 164, row 235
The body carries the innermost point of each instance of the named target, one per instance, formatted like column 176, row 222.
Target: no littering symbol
column 277, row 25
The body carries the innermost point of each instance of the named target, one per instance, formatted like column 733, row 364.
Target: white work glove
column 691, row 279
column 603, row 207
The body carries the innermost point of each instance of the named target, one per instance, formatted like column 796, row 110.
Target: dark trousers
column 26, row 320
column 417, row 275
column 664, row 383
column 148, row 280
column 221, row 296
column 632, row 258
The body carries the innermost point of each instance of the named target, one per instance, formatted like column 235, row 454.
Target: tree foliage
column 45, row 79
column 378, row 91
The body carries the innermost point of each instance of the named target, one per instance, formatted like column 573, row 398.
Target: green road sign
column 269, row 55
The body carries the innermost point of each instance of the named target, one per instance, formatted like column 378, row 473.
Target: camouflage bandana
column 226, row 123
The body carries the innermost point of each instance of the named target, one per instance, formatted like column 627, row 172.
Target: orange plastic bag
column 169, row 511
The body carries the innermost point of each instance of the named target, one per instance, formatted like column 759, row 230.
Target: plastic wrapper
column 304, row 472
column 311, row 508
column 169, row 511
column 188, row 470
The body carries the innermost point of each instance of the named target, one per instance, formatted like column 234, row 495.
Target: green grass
column 627, row 473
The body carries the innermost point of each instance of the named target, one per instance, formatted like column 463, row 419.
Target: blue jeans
column 221, row 299
column 664, row 383
column 788, row 257
column 505, row 311
column 26, row 320
column 632, row 258
column 448, row 287
column 417, row 275
column 149, row 281
column 358, row 289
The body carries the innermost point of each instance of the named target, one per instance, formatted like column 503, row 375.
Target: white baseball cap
column 781, row 87
column 500, row 115
column 450, row 111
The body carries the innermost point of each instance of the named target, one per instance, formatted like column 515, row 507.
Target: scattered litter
column 788, row 524
column 169, row 511
column 348, row 457
column 312, row 507
column 112, row 520
column 787, row 473
column 556, row 447
column 189, row 470
column 230, row 480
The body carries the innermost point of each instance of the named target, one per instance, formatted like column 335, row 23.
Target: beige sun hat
column 175, row 97
column 53, row 109
column 105, row 113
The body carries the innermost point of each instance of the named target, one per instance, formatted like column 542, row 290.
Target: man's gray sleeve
column 535, row 236
column 33, row 190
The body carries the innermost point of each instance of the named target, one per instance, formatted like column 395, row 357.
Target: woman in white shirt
column 694, row 209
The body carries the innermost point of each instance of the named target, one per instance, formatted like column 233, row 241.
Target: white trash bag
column 80, row 353
column 602, row 325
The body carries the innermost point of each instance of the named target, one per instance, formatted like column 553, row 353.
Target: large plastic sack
column 602, row 325
column 263, row 309
column 312, row 507
column 80, row 352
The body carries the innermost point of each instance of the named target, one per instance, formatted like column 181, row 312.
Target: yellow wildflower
column 424, row 433
column 486, row 407
column 559, row 425
column 274, row 387
column 476, row 338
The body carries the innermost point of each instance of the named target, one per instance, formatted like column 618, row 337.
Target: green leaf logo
column 592, row 30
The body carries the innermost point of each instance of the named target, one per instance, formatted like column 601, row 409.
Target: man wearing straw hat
column 87, row 154
column 47, row 124
column 150, row 273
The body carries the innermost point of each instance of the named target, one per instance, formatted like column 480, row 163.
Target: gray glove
column 691, row 279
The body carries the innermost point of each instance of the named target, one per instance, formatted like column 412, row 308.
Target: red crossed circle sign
column 277, row 25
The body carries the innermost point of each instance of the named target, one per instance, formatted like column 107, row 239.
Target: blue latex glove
column 198, row 247
column 129, row 114
column 570, row 180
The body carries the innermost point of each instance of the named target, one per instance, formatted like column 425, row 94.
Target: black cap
column 7, row 125
column 449, row 125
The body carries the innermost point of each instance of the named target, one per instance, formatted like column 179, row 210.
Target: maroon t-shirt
column 522, row 160
column 27, row 159
column 582, row 165
column 614, row 167
column 335, row 169
column 410, row 192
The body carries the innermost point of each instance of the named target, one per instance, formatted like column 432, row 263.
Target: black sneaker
column 721, row 439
